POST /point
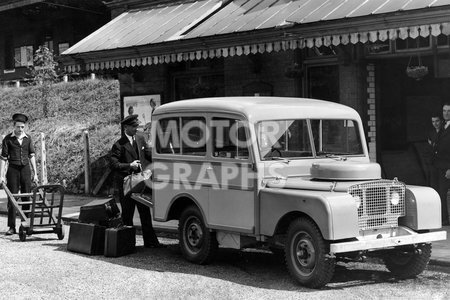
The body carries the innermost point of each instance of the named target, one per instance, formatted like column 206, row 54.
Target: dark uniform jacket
column 14, row 152
column 442, row 150
column 123, row 153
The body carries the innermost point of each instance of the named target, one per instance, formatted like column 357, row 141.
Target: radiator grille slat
column 382, row 202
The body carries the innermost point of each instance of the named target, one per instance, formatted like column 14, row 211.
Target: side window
column 193, row 135
column 23, row 56
column 187, row 139
column 168, row 136
column 229, row 138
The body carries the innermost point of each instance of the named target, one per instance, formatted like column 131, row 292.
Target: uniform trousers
column 17, row 178
column 444, row 185
column 128, row 206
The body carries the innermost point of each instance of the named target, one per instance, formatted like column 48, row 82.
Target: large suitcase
column 86, row 238
column 120, row 241
column 99, row 212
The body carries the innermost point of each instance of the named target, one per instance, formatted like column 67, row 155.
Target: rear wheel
column 410, row 263
column 306, row 254
column 197, row 243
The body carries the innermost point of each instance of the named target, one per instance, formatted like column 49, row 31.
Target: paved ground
column 43, row 268
column 440, row 254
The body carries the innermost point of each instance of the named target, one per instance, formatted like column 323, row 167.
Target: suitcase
column 120, row 241
column 86, row 238
column 99, row 212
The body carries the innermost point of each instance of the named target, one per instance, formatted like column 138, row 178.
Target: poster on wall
column 143, row 106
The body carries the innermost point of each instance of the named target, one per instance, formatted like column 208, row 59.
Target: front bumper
column 400, row 237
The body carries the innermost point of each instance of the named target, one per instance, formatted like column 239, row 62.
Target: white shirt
column 20, row 137
column 447, row 124
column 130, row 138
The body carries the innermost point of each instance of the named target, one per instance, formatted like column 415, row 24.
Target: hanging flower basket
column 417, row 72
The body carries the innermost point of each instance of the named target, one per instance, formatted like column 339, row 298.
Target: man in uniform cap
column 17, row 155
column 131, row 154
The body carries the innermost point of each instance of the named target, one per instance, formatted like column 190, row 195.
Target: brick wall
column 352, row 86
column 240, row 71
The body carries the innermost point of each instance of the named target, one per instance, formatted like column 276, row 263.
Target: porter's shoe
column 11, row 231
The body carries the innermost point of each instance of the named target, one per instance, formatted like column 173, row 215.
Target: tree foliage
column 44, row 66
column 44, row 74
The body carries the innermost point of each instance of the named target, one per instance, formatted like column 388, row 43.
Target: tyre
column 22, row 233
column 306, row 254
column 408, row 264
column 197, row 243
column 60, row 233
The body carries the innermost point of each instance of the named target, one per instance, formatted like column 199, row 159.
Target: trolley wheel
column 22, row 233
column 60, row 233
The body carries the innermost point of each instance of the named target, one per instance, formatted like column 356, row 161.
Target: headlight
column 395, row 198
column 357, row 200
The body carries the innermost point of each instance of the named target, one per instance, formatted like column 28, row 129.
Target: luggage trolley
column 44, row 216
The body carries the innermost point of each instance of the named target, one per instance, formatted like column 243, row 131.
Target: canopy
column 211, row 28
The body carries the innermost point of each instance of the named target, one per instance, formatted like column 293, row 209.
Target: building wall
column 244, row 72
column 33, row 25
column 145, row 80
column 352, row 86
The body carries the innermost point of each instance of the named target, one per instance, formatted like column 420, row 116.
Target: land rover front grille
column 380, row 203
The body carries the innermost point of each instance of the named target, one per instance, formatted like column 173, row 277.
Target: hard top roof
column 262, row 108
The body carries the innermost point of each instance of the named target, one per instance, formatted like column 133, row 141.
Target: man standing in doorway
column 442, row 162
column 433, row 135
column 18, row 151
column 131, row 154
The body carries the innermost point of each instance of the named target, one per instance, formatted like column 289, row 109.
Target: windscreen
column 291, row 138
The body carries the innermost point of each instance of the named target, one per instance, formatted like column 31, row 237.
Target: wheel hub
column 194, row 234
column 306, row 254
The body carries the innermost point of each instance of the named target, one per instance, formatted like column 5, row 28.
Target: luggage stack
column 100, row 230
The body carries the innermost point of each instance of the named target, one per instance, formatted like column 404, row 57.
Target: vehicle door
column 232, row 193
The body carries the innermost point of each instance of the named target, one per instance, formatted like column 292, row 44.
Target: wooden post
column 44, row 179
column 6, row 162
column 87, row 164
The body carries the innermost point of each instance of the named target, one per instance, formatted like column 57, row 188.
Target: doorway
column 404, row 109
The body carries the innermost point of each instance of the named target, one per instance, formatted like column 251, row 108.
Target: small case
column 120, row 241
column 86, row 238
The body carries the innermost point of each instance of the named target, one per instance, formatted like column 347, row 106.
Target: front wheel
column 306, row 254
column 408, row 264
column 197, row 243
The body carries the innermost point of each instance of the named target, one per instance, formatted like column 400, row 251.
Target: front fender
column 334, row 213
column 423, row 208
